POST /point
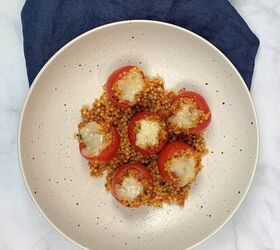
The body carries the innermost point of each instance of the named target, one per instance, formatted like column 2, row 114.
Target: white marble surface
column 256, row 225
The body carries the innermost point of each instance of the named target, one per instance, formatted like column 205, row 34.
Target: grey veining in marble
column 256, row 225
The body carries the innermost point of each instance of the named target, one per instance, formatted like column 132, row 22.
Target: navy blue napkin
column 48, row 25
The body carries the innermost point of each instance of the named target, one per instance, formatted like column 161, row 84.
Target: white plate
column 57, row 177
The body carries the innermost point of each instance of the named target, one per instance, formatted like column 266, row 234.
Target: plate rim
column 53, row 57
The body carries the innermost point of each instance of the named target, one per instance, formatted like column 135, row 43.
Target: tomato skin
column 81, row 147
column 113, row 78
column 168, row 151
column 202, row 105
column 132, row 135
column 122, row 171
column 109, row 152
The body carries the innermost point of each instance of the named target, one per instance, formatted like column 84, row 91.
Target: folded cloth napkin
column 48, row 25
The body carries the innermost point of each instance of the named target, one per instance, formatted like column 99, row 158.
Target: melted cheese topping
column 148, row 135
column 186, row 117
column 93, row 139
column 184, row 168
column 130, row 189
column 130, row 86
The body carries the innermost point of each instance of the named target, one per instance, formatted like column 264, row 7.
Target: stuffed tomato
column 98, row 142
column 131, row 185
column 178, row 163
column 190, row 113
column 147, row 132
column 124, row 86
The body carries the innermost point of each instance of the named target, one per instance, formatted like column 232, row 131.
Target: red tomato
column 109, row 152
column 132, row 135
column 168, row 151
column 202, row 105
column 121, row 172
column 113, row 78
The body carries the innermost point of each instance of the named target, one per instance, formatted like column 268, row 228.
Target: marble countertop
column 256, row 225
